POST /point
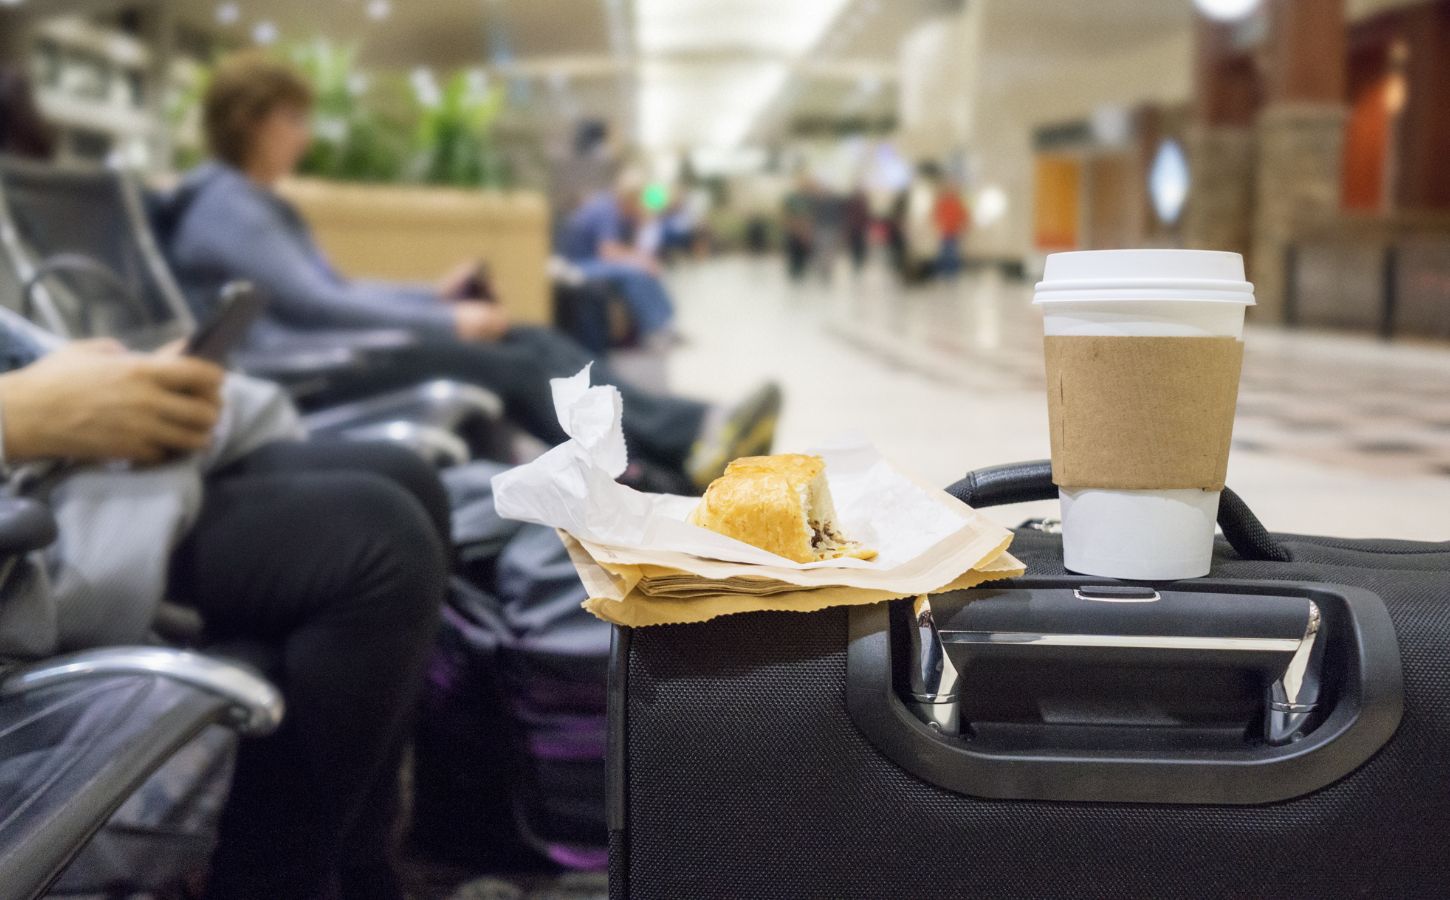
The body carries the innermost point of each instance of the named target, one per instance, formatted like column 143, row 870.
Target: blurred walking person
column 858, row 225
column 828, row 230
column 953, row 220
column 798, row 225
column 919, row 226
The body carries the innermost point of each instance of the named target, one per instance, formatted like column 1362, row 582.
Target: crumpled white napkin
column 572, row 487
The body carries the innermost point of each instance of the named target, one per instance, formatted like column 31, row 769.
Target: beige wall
column 1159, row 73
column 975, row 82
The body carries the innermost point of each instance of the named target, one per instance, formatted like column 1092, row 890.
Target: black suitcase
column 1280, row 729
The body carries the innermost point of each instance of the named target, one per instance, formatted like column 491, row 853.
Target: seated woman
column 232, row 224
column 333, row 555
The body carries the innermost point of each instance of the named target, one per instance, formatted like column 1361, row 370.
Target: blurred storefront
column 1306, row 134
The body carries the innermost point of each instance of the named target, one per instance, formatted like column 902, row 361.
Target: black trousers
column 333, row 557
column 797, row 256
column 518, row 368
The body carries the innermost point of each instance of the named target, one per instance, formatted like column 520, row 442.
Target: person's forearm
column 23, row 434
column 613, row 251
column 347, row 309
column 399, row 292
column 303, row 295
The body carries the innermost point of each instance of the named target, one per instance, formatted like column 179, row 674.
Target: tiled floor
column 1335, row 435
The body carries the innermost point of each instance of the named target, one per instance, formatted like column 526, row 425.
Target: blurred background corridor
column 822, row 136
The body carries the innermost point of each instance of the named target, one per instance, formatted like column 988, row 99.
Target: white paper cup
column 1158, row 534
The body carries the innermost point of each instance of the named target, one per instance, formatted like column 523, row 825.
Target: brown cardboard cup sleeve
column 1141, row 413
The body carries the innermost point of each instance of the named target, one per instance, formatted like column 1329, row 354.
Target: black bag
column 509, row 748
column 1058, row 736
column 595, row 316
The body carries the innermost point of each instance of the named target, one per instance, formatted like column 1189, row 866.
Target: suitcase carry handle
column 1028, row 481
column 1072, row 688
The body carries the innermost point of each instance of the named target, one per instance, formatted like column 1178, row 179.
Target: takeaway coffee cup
column 1144, row 349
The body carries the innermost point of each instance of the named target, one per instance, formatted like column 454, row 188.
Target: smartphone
column 238, row 306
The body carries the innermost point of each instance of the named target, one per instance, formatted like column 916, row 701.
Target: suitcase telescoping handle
column 1076, row 688
column 1028, row 481
column 1057, row 635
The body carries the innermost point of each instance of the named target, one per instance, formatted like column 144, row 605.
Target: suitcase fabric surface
column 739, row 770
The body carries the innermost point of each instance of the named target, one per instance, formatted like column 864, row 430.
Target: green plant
column 355, row 139
column 384, row 128
column 453, row 141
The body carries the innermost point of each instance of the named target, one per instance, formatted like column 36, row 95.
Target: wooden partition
column 419, row 233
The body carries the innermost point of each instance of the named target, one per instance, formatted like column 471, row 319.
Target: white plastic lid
column 1145, row 275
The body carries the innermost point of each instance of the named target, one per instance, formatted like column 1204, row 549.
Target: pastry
column 778, row 503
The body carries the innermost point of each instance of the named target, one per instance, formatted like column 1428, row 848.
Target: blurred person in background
column 858, row 225
column 828, row 229
column 332, row 555
column 24, row 131
column 230, row 223
column 953, row 220
column 613, row 239
column 921, row 237
column 684, row 223
column 894, row 224
column 798, row 224
column 695, row 207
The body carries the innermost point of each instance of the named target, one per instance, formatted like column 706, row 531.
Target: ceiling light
column 379, row 9
column 711, row 68
column 1226, row 10
column 1395, row 93
column 764, row 27
column 991, row 205
column 715, row 104
column 228, row 13
column 1168, row 181
column 264, row 32
column 712, row 161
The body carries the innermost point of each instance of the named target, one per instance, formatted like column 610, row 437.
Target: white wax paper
column 572, row 487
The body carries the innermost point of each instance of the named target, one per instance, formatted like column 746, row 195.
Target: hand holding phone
column 239, row 305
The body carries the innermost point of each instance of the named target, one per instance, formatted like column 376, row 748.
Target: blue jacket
column 232, row 228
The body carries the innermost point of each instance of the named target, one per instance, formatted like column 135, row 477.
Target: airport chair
column 81, row 733
column 82, row 262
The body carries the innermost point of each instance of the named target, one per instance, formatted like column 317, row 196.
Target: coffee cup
column 1144, row 349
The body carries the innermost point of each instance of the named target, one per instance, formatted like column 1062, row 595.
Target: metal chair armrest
column 80, row 733
column 255, row 706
